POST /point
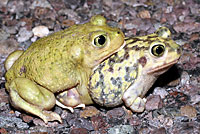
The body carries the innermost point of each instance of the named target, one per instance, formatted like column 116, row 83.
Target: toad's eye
column 158, row 50
column 100, row 40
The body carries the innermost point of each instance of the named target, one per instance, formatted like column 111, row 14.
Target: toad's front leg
column 32, row 98
column 133, row 96
column 132, row 100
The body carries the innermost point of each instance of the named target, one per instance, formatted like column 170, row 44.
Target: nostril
column 118, row 32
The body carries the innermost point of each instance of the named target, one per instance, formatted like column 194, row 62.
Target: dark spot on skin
column 126, row 48
column 152, row 37
column 119, row 82
column 126, row 56
column 110, row 69
column 126, row 77
column 119, row 68
column 137, row 49
column 142, row 61
column 22, row 70
column 146, row 48
column 101, row 82
column 121, row 60
column 111, row 60
column 113, row 81
column 127, row 39
column 127, row 69
column 101, row 65
column 97, row 84
column 57, row 42
column 101, row 76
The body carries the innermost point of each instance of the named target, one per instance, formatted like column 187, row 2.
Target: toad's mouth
column 163, row 68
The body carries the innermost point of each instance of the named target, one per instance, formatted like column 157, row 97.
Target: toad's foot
column 138, row 105
column 50, row 116
column 132, row 97
column 71, row 109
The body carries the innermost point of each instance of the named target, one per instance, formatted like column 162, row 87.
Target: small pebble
column 116, row 113
column 121, row 129
column 3, row 35
column 3, row 2
column 160, row 91
column 134, row 121
column 185, row 78
column 41, row 3
column 67, row 23
column 144, row 130
column 11, row 30
column 195, row 99
column 27, row 118
column 89, row 111
column 159, row 131
column 99, row 124
column 3, row 96
column 17, row 113
column 8, row 46
column 190, row 27
column 168, row 122
column 144, row 14
column 154, row 102
column 3, row 131
column 40, row 31
column 79, row 131
column 188, row 111
column 24, row 35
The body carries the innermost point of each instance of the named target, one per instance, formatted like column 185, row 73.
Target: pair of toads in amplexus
column 86, row 64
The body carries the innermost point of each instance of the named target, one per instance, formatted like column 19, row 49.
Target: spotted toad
column 127, row 75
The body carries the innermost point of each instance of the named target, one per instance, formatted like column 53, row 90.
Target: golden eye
column 158, row 50
column 100, row 40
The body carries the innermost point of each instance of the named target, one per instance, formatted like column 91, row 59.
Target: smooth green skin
column 57, row 63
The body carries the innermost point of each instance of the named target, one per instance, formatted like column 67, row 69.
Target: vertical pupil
column 101, row 40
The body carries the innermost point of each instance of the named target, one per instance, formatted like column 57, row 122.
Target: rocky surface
column 173, row 103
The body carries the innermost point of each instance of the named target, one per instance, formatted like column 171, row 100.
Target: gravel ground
column 173, row 103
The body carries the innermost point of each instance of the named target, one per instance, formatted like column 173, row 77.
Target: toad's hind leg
column 12, row 58
column 32, row 98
